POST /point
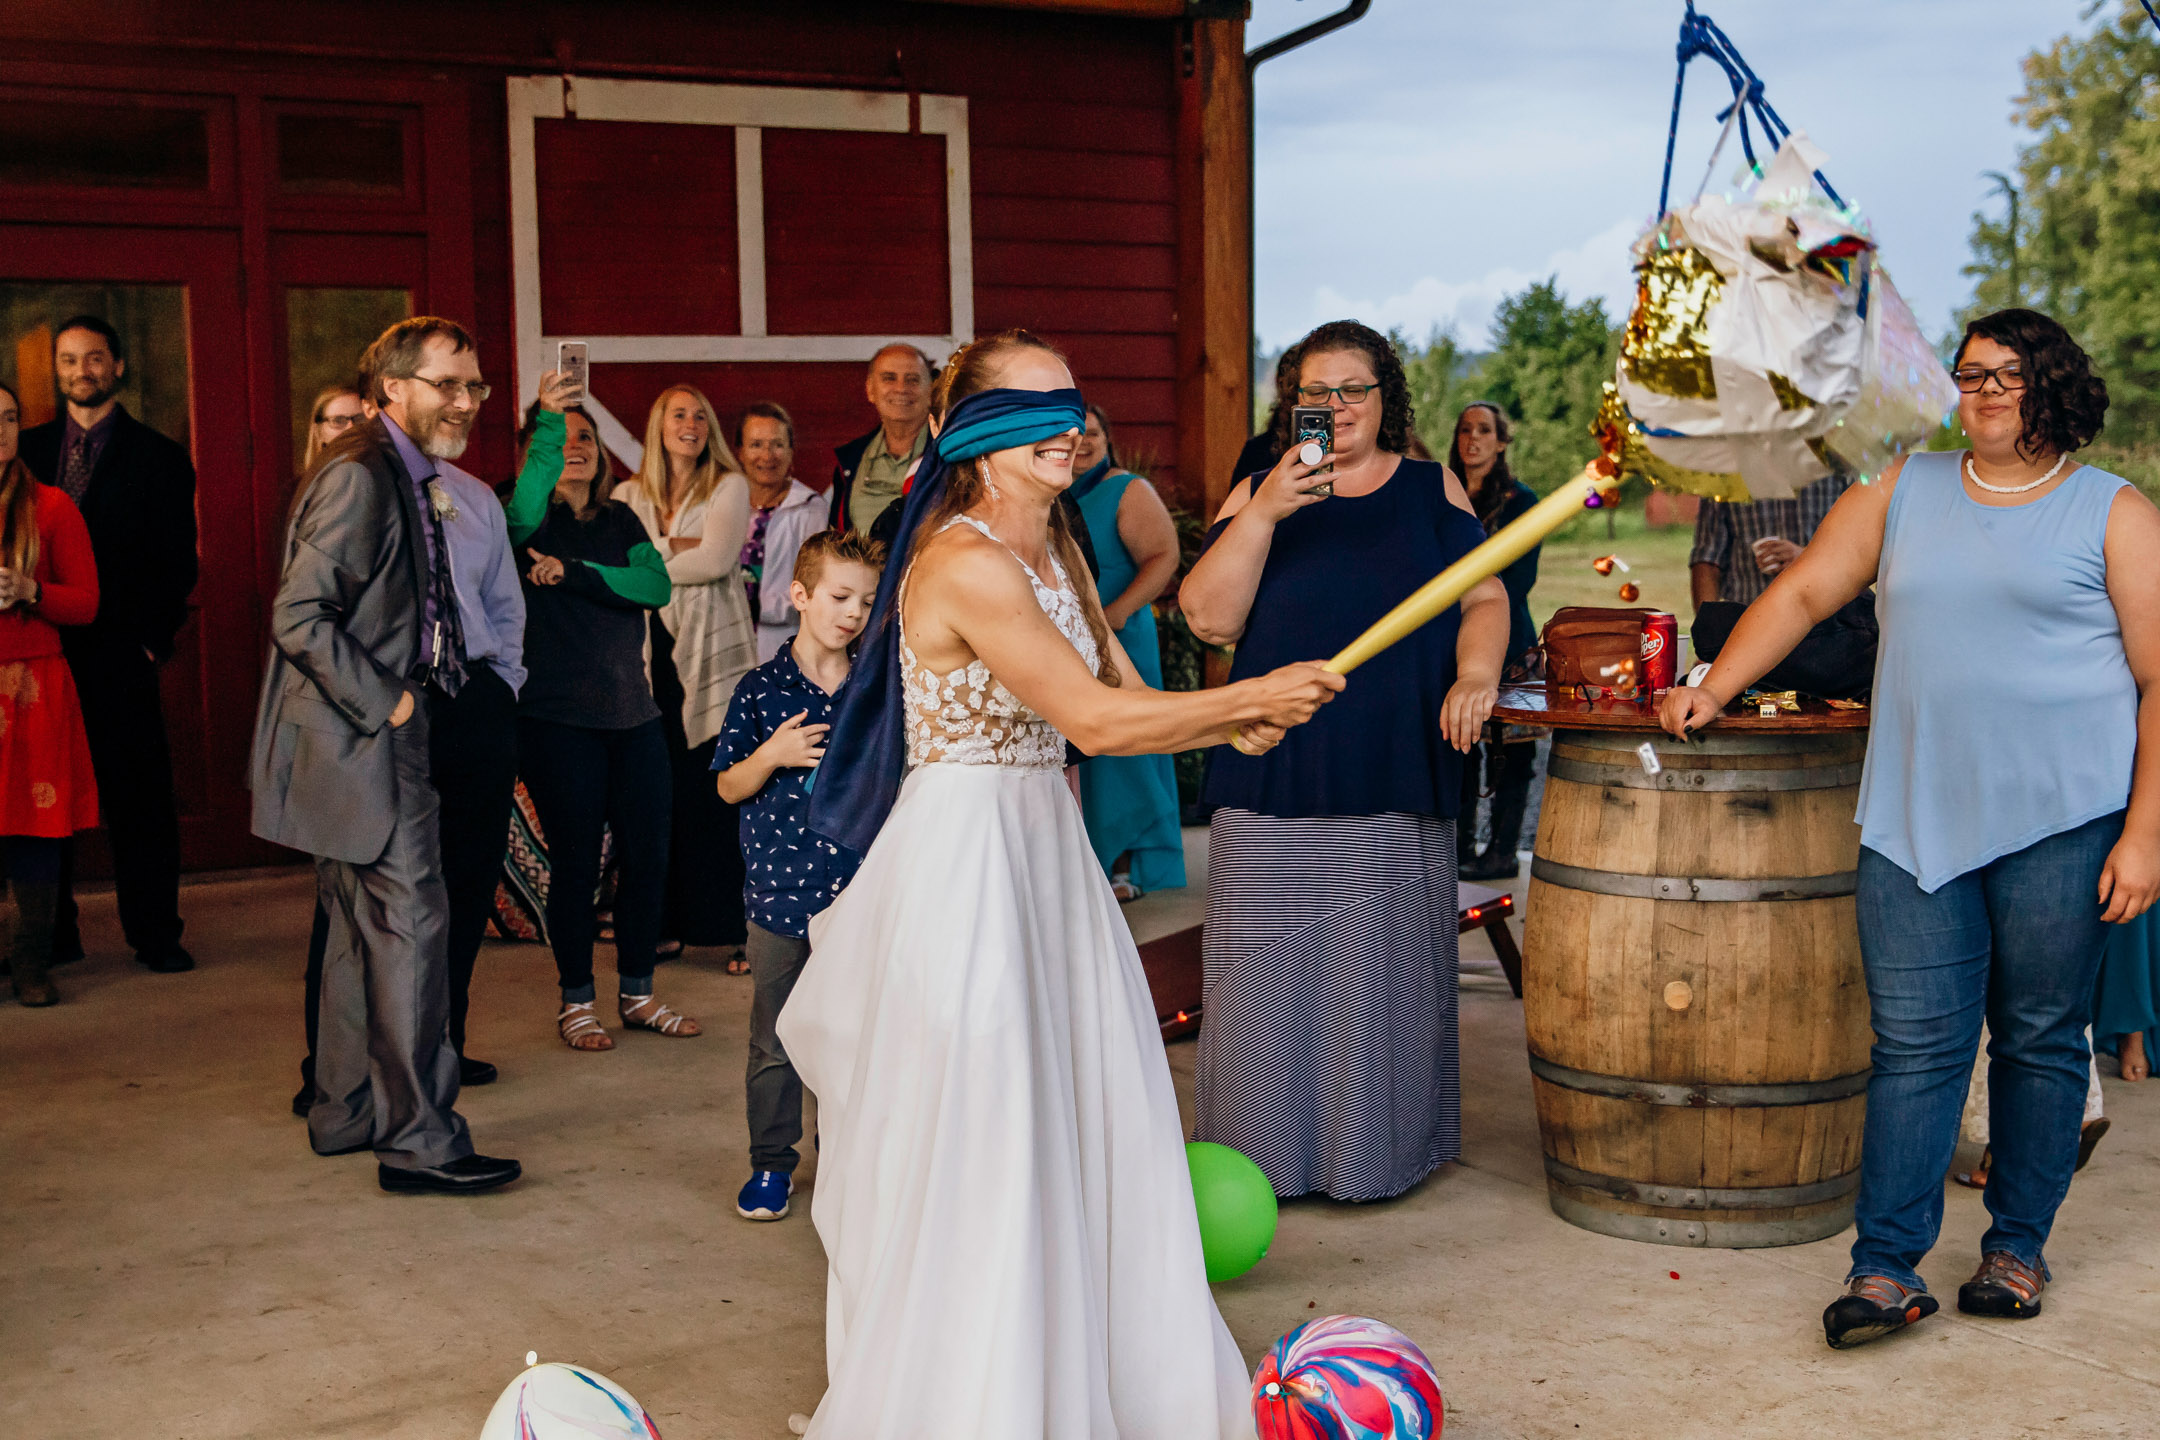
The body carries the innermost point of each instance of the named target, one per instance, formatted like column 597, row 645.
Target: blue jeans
column 2016, row 942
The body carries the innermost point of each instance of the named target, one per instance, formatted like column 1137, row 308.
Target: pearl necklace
column 1974, row 476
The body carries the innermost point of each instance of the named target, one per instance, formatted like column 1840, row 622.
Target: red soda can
column 1660, row 653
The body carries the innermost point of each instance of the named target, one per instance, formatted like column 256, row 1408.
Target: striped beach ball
column 1342, row 1377
column 566, row 1402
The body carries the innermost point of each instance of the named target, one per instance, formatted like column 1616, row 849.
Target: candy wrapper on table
column 1767, row 339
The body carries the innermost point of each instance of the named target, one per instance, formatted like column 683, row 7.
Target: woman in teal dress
column 1130, row 801
column 2126, row 1009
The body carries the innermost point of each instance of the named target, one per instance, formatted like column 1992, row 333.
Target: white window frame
column 750, row 109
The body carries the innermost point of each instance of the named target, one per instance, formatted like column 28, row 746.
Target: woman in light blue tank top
column 2006, row 815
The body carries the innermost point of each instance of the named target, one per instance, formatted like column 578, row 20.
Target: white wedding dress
column 1001, row 1190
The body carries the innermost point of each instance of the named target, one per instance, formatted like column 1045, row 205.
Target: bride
column 1002, row 1193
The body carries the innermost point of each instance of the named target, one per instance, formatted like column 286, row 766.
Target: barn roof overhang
column 1144, row 9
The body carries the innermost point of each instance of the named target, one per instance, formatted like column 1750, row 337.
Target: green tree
column 2088, row 237
column 1548, row 364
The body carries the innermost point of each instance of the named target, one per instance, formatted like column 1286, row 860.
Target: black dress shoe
column 303, row 1101
column 171, row 960
column 475, row 1072
column 459, row 1177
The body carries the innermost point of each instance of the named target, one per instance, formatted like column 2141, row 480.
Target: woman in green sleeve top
column 590, row 745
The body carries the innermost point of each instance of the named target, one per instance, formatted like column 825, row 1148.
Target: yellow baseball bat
column 1450, row 585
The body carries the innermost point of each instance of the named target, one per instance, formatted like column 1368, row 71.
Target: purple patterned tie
column 75, row 475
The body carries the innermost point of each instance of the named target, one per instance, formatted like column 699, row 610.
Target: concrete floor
column 178, row 1265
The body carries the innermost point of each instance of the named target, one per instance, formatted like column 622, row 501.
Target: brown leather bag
column 1585, row 645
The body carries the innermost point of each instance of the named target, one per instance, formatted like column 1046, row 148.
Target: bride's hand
column 1293, row 694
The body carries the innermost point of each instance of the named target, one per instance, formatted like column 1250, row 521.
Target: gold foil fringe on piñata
column 1624, row 454
column 1667, row 344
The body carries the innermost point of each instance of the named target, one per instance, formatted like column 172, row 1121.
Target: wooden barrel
column 1692, row 991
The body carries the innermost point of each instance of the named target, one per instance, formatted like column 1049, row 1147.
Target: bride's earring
column 989, row 485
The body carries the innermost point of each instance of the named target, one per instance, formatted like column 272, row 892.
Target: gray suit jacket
column 344, row 638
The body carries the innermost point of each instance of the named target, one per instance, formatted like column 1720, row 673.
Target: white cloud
column 1599, row 267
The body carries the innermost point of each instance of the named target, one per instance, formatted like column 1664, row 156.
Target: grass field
column 1658, row 561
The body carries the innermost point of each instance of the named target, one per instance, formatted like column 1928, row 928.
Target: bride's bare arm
column 973, row 599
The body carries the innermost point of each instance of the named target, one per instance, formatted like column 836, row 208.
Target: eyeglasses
column 337, row 422
column 452, row 389
column 1318, row 394
column 1973, row 378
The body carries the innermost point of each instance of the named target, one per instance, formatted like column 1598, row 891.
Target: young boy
column 773, row 738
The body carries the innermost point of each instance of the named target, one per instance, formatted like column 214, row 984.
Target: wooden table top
column 1529, row 705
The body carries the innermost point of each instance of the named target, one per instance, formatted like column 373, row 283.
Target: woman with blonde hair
column 691, row 496
column 337, row 409
column 1003, row 1195
column 48, row 578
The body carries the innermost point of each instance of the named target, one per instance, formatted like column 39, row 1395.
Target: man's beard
column 439, row 443
column 98, row 394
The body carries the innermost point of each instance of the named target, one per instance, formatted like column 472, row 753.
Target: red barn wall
column 1075, row 208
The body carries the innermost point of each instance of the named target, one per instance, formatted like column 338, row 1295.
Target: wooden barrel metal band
column 1676, row 777
column 1709, row 889
column 1621, row 745
column 1715, row 1234
column 1702, row 1096
column 1704, row 1197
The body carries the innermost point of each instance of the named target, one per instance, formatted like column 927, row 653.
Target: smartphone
column 570, row 361
column 1317, row 424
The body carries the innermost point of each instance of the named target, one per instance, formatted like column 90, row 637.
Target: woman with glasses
column 336, row 410
column 695, row 504
column 2010, row 806
column 1328, row 1045
column 784, row 512
column 1130, row 801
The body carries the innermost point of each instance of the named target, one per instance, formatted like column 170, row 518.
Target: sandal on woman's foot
column 1125, row 891
column 581, row 1029
column 667, row 950
column 2004, row 1286
column 2132, row 1063
column 737, row 962
column 2089, row 1137
column 644, row 1012
column 1871, row 1307
column 1976, row 1178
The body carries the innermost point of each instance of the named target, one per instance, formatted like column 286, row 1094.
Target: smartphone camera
column 570, row 361
column 1315, row 423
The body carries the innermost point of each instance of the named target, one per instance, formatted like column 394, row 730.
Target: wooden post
column 1214, row 319
column 1214, row 348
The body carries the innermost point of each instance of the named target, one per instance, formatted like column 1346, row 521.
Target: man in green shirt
column 874, row 467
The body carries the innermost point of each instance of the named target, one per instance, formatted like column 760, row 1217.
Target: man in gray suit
column 364, row 622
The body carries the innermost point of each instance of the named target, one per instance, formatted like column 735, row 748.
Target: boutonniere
column 440, row 505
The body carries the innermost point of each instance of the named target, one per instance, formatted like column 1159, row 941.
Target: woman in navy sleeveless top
column 1327, row 1031
column 2010, row 806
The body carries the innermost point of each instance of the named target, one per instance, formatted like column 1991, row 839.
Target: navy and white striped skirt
column 1328, row 1050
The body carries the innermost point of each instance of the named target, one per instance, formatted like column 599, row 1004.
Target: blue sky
column 1439, row 154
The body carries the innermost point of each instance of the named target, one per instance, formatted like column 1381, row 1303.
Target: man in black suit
column 136, row 491
column 366, row 624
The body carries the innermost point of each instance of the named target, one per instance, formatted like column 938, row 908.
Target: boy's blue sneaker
column 765, row 1197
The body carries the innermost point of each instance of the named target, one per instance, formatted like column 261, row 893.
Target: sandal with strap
column 581, row 1029
column 2004, row 1286
column 644, row 1012
column 1871, row 1307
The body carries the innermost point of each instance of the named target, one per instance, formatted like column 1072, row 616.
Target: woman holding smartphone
column 1330, row 941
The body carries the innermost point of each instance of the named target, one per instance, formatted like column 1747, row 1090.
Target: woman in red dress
column 48, row 578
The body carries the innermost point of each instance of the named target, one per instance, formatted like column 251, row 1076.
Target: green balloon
column 1237, row 1209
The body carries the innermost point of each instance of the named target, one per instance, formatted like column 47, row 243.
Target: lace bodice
column 966, row 717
